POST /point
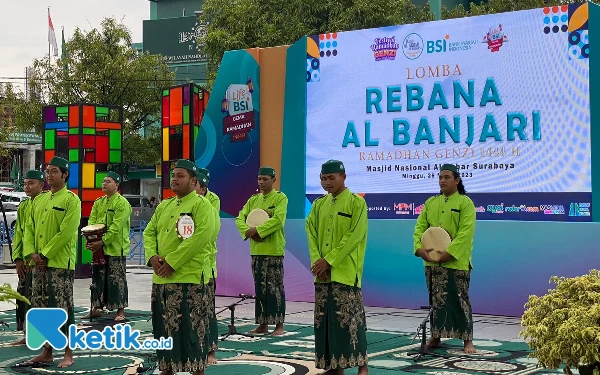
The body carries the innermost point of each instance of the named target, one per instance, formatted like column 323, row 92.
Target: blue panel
column 62, row 126
column 594, row 34
column 74, row 177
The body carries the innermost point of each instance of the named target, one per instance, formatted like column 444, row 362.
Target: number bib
column 185, row 226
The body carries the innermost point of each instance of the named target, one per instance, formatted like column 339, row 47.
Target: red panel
column 49, row 154
column 91, row 194
column 88, row 141
column 186, row 142
column 90, row 157
column 196, row 109
column 101, row 149
column 165, row 111
column 73, row 116
column 75, row 191
column 167, row 193
column 74, row 141
column 108, row 125
column 176, row 106
column 86, row 208
column 89, row 116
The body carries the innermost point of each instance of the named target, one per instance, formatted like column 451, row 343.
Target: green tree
column 10, row 104
column 100, row 67
column 241, row 24
column 501, row 6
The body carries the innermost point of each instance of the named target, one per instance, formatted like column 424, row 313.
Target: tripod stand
column 424, row 349
column 232, row 329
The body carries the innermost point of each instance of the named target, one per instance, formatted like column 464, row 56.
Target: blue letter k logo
column 43, row 325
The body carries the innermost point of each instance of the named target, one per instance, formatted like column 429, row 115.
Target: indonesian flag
column 51, row 35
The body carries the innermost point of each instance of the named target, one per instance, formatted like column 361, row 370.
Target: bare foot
column 363, row 370
column 434, row 343
column 96, row 313
column 67, row 360
column 263, row 328
column 212, row 360
column 17, row 343
column 166, row 372
column 45, row 356
column 469, row 348
column 278, row 330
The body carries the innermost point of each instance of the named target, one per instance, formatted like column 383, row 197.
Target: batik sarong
column 180, row 311
column 24, row 289
column 53, row 287
column 340, row 327
column 110, row 281
column 268, row 288
column 213, row 326
column 449, row 292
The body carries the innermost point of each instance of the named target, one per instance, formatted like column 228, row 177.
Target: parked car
column 141, row 209
column 10, row 209
column 12, row 196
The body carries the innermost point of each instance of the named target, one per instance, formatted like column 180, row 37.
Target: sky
column 24, row 27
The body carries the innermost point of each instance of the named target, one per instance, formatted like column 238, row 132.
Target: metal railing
column 136, row 237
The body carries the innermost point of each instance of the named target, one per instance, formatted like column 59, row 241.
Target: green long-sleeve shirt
column 23, row 213
column 271, row 231
column 186, row 256
column 115, row 213
column 457, row 216
column 215, row 201
column 52, row 228
column 337, row 231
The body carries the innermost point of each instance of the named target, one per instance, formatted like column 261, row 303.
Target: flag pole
column 48, row 72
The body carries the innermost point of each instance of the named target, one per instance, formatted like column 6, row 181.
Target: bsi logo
column 412, row 46
column 44, row 326
column 440, row 45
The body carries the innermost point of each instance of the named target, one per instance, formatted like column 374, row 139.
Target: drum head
column 436, row 238
column 257, row 217
column 93, row 228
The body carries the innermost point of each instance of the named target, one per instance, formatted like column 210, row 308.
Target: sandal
column 119, row 318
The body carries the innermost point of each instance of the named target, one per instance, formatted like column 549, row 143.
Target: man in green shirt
column 448, row 280
column 267, row 248
column 176, row 242
column 33, row 185
column 211, row 273
column 51, row 242
column 337, row 240
column 110, row 279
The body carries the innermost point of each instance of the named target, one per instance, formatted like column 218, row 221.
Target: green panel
column 186, row 114
column 101, row 111
column 165, row 92
column 73, row 130
column 49, row 139
column 115, row 157
column 114, row 139
column 89, row 131
column 293, row 182
column 196, row 89
column 196, row 129
column 62, row 111
column 99, row 177
column 86, row 255
column 74, row 156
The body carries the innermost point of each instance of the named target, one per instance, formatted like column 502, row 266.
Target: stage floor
column 390, row 332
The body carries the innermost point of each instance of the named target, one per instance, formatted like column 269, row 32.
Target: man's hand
column 320, row 268
column 165, row 270
column 39, row 261
column 257, row 238
column 424, row 254
column 20, row 268
column 93, row 246
column 251, row 232
column 157, row 262
column 445, row 257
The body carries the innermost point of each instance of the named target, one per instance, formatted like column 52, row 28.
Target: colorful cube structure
column 183, row 107
column 90, row 137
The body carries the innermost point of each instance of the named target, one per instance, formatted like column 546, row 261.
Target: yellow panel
column 165, row 142
column 579, row 17
column 88, row 175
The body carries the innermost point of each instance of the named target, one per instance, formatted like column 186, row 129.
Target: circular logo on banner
column 185, row 226
column 412, row 46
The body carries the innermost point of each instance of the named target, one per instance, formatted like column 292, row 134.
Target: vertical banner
column 228, row 142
